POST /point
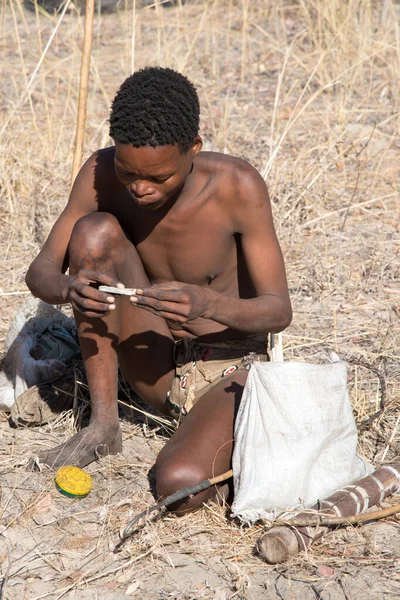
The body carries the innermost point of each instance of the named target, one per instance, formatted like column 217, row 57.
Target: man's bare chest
column 195, row 251
column 194, row 245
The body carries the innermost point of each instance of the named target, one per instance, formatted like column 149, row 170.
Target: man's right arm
column 46, row 276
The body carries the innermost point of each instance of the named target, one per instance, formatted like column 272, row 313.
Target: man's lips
column 147, row 204
column 142, row 199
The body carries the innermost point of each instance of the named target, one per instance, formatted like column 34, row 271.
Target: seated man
column 192, row 231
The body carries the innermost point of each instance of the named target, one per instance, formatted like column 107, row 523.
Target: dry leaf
column 132, row 588
column 43, row 504
column 325, row 571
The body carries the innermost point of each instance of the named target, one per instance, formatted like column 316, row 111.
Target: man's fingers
column 87, row 291
column 158, row 306
column 86, row 286
column 96, row 277
column 163, row 294
column 173, row 317
column 86, row 304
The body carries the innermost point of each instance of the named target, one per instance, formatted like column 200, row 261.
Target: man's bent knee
column 173, row 476
column 94, row 236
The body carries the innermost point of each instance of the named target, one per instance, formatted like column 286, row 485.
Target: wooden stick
column 330, row 521
column 179, row 495
column 83, row 90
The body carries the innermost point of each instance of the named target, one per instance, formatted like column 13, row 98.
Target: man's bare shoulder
column 104, row 155
column 235, row 179
column 96, row 179
column 214, row 161
column 100, row 164
column 229, row 169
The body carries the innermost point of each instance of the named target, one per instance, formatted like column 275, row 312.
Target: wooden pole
column 83, row 90
column 179, row 495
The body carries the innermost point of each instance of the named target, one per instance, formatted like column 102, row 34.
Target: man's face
column 153, row 175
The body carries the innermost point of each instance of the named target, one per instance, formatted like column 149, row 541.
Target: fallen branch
column 316, row 520
column 382, row 391
column 175, row 497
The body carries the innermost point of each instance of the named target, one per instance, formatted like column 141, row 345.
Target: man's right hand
column 84, row 296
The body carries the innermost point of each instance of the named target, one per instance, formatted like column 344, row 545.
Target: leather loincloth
column 200, row 366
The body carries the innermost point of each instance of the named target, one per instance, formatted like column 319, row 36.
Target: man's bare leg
column 141, row 340
column 202, row 446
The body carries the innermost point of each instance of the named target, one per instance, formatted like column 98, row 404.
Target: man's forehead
column 147, row 156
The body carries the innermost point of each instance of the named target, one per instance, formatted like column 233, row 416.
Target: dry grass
column 308, row 91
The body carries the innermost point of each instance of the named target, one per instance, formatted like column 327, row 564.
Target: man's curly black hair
column 155, row 107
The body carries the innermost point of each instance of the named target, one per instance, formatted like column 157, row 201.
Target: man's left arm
column 270, row 309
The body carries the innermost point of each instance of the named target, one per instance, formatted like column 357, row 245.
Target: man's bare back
column 193, row 232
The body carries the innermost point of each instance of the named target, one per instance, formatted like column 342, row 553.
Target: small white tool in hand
column 116, row 290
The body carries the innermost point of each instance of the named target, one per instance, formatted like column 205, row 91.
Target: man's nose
column 141, row 188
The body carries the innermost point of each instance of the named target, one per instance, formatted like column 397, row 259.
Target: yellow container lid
column 73, row 482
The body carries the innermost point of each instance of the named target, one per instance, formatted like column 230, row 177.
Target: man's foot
column 91, row 443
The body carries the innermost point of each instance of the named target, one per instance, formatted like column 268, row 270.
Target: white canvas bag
column 295, row 438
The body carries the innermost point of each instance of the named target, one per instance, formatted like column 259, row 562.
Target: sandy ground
column 56, row 547
column 311, row 99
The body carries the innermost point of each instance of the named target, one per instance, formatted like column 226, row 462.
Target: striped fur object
column 283, row 541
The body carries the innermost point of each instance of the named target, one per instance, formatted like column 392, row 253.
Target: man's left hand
column 174, row 301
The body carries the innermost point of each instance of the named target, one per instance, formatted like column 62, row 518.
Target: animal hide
column 40, row 343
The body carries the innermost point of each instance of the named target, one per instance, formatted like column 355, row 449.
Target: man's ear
column 197, row 145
